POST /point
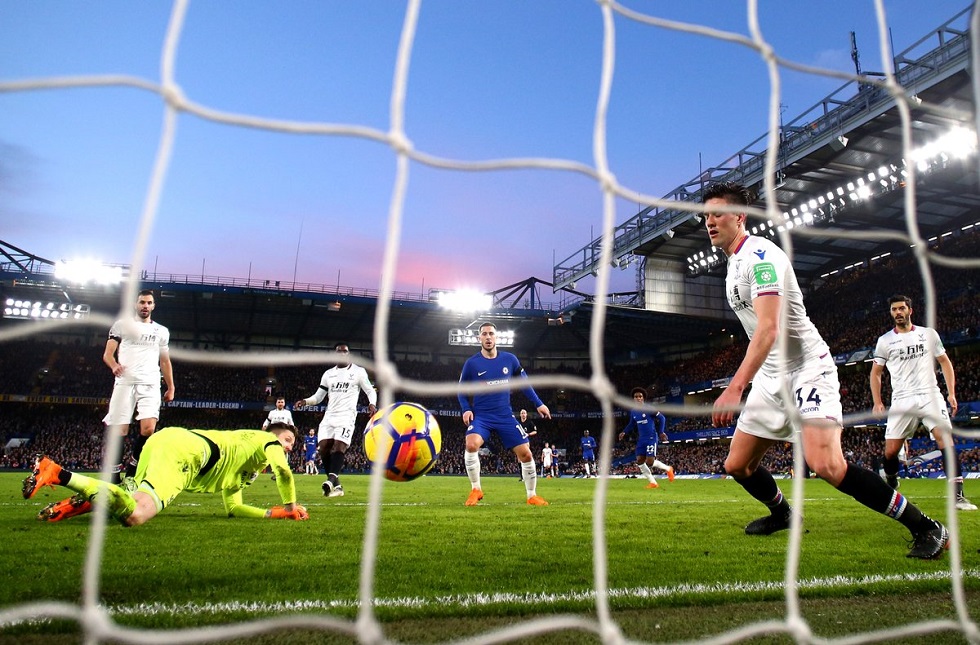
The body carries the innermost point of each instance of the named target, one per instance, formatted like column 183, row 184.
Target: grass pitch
column 679, row 566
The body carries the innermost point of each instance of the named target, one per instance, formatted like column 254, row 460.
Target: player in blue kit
column 310, row 442
column 649, row 429
column 483, row 413
column 588, row 452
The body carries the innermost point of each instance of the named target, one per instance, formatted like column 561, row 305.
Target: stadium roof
column 854, row 131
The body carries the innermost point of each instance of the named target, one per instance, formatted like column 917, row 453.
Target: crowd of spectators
column 73, row 436
column 850, row 309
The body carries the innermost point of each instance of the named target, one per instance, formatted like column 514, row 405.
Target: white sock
column 661, row 465
column 530, row 472
column 587, row 473
column 472, row 462
column 646, row 471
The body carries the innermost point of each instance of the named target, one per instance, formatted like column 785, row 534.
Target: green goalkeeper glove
column 280, row 513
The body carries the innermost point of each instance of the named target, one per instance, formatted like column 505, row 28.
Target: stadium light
column 18, row 309
column 464, row 301
column 958, row 143
column 88, row 271
column 471, row 337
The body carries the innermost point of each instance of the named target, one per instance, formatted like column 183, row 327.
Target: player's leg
column 942, row 432
column 148, row 402
column 744, row 464
column 338, row 453
column 761, row 424
column 530, row 472
column 819, row 392
column 46, row 472
column 644, row 451
column 122, row 404
column 821, row 445
column 659, row 464
column 324, row 447
column 899, row 427
column 471, row 459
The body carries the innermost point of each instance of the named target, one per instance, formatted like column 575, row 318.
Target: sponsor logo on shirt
column 765, row 273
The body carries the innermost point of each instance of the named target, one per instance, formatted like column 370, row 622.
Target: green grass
column 679, row 565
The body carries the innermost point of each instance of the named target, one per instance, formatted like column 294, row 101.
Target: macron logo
column 761, row 253
column 481, row 373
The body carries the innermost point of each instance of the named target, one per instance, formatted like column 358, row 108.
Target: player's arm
column 630, row 427
column 268, row 420
column 949, row 376
column 167, row 369
column 319, row 395
column 766, row 309
column 235, row 507
column 877, row 405
column 289, row 510
column 372, row 394
column 661, row 422
column 109, row 356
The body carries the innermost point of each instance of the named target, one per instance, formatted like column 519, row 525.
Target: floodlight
column 464, row 300
column 86, row 271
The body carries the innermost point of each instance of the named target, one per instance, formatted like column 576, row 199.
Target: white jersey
column 760, row 268
column 546, row 456
column 278, row 416
column 911, row 360
column 341, row 384
column 140, row 347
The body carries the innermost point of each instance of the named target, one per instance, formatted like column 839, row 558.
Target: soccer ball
column 408, row 439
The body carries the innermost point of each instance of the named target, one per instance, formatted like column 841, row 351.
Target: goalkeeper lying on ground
column 175, row 460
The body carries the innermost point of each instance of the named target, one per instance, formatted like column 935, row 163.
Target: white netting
column 98, row 626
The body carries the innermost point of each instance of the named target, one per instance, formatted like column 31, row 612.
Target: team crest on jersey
column 765, row 273
column 761, row 253
column 506, row 371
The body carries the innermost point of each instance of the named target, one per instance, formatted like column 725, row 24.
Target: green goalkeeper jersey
column 227, row 461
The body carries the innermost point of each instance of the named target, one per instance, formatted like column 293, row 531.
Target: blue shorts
column 511, row 432
column 588, row 456
column 646, row 448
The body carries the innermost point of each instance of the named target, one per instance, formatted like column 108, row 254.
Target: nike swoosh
column 481, row 373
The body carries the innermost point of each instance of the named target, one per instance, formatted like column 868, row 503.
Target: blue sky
column 487, row 80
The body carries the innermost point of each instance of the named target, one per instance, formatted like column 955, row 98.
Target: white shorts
column 546, row 463
column 906, row 412
column 144, row 398
column 816, row 392
column 338, row 433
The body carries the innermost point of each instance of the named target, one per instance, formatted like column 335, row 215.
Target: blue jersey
column 588, row 445
column 648, row 427
column 310, row 443
column 493, row 371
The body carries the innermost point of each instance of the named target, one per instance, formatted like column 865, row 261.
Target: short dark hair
column 146, row 292
column 900, row 298
column 340, row 344
column 640, row 390
column 488, row 324
column 279, row 426
column 732, row 192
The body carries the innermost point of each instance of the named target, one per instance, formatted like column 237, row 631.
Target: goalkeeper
column 176, row 460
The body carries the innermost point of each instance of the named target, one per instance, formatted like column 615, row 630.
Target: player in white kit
column 910, row 352
column 137, row 353
column 279, row 414
column 760, row 282
column 342, row 384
